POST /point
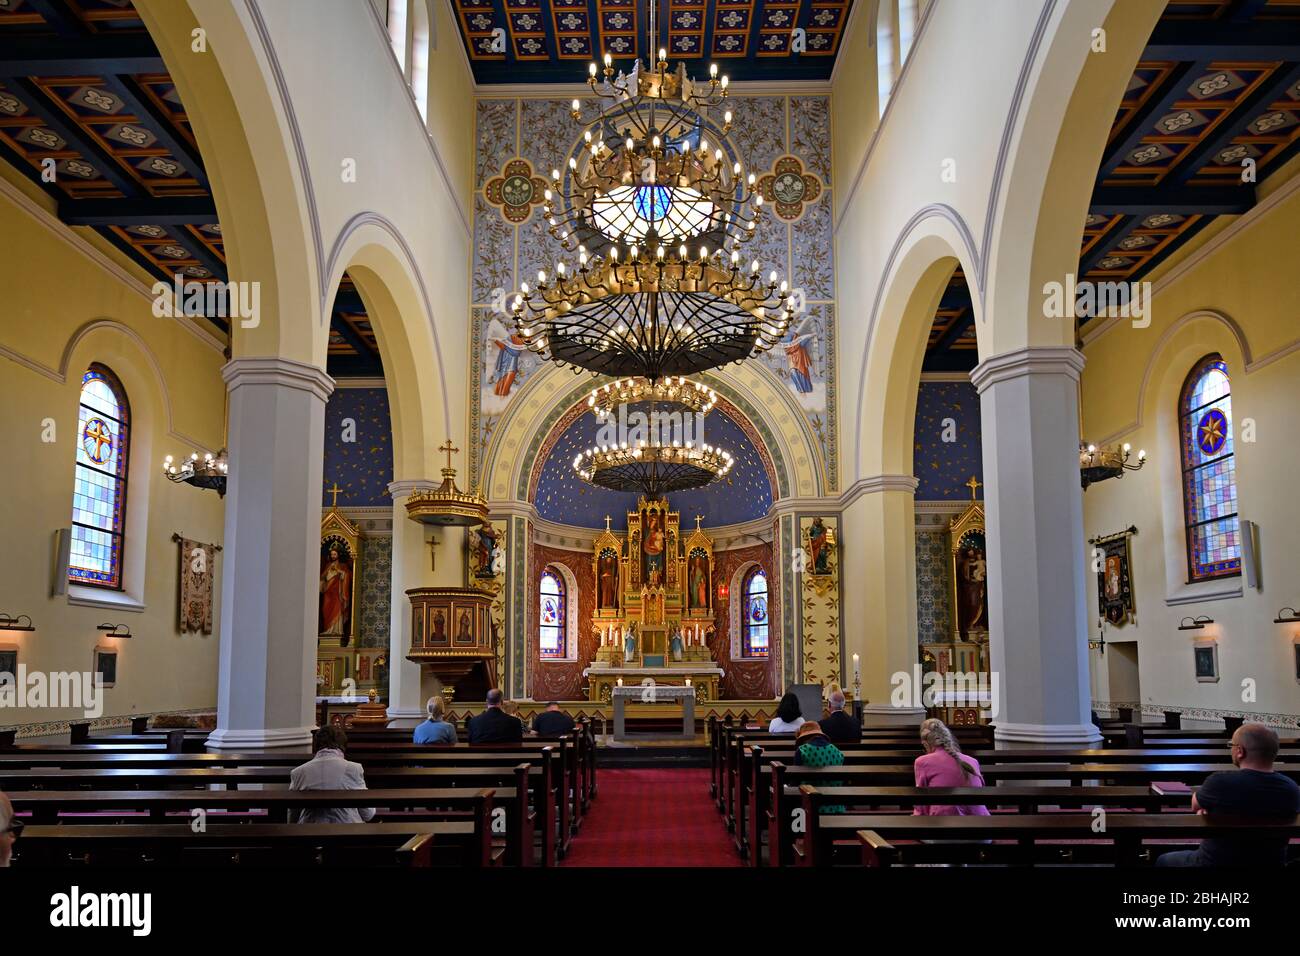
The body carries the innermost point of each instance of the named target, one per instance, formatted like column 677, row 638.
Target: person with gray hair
column 838, row 726
column 1254, row 790
column 10, row 827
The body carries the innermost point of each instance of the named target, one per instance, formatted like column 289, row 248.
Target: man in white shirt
column 330, row 770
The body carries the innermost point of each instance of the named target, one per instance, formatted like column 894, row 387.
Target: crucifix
column 698, row 519
column 607, row 520
column 335, row 492
column 972, row 485
column 450, row 450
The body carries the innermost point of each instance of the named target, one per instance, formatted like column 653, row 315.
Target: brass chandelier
column 661, row 453
column 653, row 215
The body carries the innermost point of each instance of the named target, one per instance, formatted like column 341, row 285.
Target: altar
column 654, row 610
column 651, row 694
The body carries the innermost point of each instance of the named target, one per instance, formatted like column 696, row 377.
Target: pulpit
column 451, row 636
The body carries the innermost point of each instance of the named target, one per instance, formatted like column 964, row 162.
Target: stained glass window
column 551, row 616
column 755, row 624
column 1209, row 472
column 99, row 486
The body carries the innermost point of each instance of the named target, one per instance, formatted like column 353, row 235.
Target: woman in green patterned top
column 814, row 749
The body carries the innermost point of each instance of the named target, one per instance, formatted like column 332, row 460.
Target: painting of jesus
column 335, row 605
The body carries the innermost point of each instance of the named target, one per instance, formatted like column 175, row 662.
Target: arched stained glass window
column 99, row 487
column 1209, row 472
column 551, row 616
column 755, row 622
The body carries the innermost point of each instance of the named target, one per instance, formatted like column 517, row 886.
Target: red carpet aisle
column 653, row 818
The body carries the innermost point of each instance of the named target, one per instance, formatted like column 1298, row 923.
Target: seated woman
column 435, row 730
column 944, row 765
column 789, row 716
column 812, row 748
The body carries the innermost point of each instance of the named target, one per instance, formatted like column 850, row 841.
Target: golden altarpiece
column 654, row 605
column 966, row 651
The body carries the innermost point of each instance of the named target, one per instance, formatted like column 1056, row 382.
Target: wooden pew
column 454, row 843
column 71, row 807
column 1124, row 831
column 532, row 779
column 1023, row 799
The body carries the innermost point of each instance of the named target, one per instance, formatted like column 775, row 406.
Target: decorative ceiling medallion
column 517, row 191
column 1214, row 85
column 789, row 188
column 97, row 100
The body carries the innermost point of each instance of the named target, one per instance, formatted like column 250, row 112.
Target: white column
column 266, row 682
column 1036, row 557
column 878, row 568
column 415, row 565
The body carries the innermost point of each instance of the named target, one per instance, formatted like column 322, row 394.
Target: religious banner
column 194, row 598
column 1113, row 562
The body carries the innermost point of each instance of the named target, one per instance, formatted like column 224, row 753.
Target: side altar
column 654, row 606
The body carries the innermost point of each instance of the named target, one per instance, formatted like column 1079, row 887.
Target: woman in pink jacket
column 944, row 765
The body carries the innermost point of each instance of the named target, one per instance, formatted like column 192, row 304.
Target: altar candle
column 620, row 682
column 857, row 669
column 688, row 682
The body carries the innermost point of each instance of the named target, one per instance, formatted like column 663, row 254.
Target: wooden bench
column 453, row 843
column 788, row 803
column 1120, row 842
column 504, row 814
column 532, row 779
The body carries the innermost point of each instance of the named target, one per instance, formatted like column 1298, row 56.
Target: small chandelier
column 653, row 468
column 695, row 397
column 210, row 472
column 1098, row 464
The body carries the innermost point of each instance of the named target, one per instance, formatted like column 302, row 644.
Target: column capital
column 269, row 370
column 1032, row 360
column 408, row 486
column 875, row 484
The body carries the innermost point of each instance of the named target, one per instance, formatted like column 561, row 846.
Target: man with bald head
column 1252, row 790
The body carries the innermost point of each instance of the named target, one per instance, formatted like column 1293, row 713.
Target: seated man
column 1254, row 790
column 494, row 725
column 838, row 726
column 330, row 770
column 552, row 722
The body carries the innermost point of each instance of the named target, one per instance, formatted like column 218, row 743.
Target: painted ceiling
column 552, row 41
column 1218, row 84
column 743, row 495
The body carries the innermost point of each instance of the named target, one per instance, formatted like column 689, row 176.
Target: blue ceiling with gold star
column 743, row 495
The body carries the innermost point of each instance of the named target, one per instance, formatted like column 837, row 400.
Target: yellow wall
column 1130, row 393
column 53, row 292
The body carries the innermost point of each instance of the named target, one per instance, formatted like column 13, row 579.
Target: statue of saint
column 629, row 644
column 335, row 594
column 653, row 547
column 675, row 643
column 608, row 581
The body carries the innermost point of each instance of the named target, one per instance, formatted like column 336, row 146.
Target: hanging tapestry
column 196, row 574
column 1114, row 582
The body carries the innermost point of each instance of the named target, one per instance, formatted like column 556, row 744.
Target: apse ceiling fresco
column 743, row 495
column 551, row 41
column 1217, row 91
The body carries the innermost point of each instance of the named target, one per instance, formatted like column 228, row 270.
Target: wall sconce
column 1195, row 623
column 115, row 630
column 1284, row 618
column 18, row 622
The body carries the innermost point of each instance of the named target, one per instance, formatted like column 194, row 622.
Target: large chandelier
column 1098, row 464
column 654, row 214
column 210, row 472
column 695, row 397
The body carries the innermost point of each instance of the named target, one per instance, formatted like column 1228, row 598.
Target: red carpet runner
column 653, row 818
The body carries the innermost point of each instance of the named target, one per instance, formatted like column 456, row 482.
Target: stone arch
column 924, row 256
column 549, row 395
column 1041, row 197
column 258, row 173
column 375, row 254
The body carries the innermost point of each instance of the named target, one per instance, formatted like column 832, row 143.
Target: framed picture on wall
column 1206, row 661
column 1294, row 647
column 9, row 659
column 106, row 665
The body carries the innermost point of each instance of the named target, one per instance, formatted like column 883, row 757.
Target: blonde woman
column 437, row 729
column 944, row 765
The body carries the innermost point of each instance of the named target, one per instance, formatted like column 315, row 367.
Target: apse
column 744, row 494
